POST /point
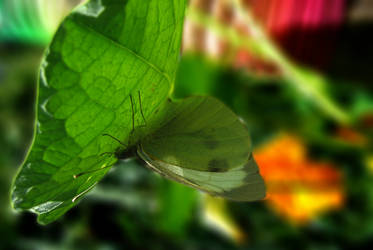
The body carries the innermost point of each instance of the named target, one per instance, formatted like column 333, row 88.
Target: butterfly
column 199, row 142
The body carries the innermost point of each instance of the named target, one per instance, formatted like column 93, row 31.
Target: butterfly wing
column 242, row 183
column 200, row 133
column 203, row 144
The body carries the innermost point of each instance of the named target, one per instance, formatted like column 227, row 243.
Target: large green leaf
column 105, row 51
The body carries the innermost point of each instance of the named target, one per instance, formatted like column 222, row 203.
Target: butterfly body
column 129, row 152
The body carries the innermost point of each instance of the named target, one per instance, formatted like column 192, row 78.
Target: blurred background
column 299, row 72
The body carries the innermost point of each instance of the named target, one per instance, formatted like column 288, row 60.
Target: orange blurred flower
column 297, row 187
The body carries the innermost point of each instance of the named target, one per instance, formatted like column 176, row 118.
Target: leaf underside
column 110, row 68
column 102, row 53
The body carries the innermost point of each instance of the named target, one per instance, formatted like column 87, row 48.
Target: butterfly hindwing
column 242, row 183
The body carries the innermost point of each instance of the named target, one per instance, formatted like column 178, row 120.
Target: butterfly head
column 122, row 154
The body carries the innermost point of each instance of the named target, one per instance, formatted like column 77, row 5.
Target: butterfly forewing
column 201, row 134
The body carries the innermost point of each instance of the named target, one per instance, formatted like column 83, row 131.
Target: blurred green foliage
column 31, row 21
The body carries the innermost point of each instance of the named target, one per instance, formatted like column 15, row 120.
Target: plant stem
column 307, row 82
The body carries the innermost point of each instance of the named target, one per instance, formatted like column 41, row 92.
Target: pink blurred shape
column 306, row 29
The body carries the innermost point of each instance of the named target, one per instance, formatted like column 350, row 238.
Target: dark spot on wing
column 218, row 165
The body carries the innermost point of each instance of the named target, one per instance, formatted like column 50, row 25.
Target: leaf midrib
column 151, row 65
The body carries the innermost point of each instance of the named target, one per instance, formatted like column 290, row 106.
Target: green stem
column 308, row 83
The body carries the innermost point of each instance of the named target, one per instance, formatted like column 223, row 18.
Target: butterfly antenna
column 142, row 114
column 133, row 121
column 133, row 114
column 89, row 172
column 116, row 139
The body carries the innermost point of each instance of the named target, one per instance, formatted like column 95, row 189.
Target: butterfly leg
column 90, row 172
column 95, row 170
column 142, row 113
column 107, row 153
column 116, row 139
column 133, row 121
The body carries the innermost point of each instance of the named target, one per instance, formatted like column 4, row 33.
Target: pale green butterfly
column 201, row 143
